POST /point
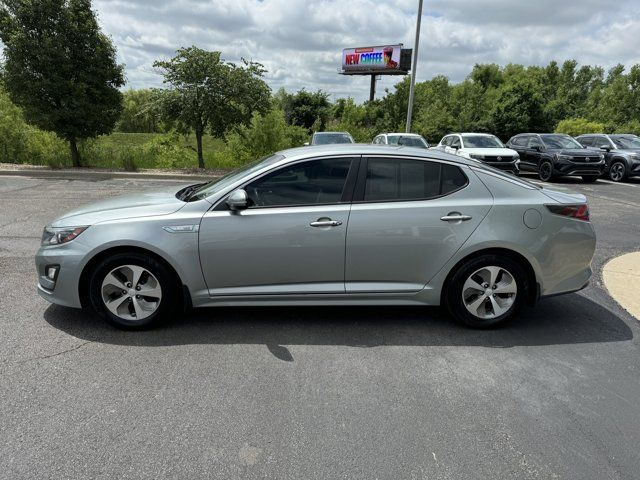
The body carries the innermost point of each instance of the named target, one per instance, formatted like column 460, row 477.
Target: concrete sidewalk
column 621, row 277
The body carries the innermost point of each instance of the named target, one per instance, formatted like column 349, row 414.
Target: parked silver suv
column 331, row 225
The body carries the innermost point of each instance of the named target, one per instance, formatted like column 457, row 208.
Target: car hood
column 575, row 151
column 151, row 203
column 493, row 152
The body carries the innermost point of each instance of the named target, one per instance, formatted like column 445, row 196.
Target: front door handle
column 456, row 217
column 322, row 222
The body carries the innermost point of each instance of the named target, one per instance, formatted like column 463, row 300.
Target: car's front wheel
column 618, row 171
column 487, row 291
column 545, row 171
column 133, row 291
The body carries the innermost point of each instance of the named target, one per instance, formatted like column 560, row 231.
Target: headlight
column 57, row 236
column 476, row 156
column 516, row 159
column 564, row 157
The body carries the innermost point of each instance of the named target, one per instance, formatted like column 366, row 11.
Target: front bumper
column 511, row 167
column 567, row 167
column 64, row 290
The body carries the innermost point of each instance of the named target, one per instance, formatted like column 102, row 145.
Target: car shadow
column 570, row 319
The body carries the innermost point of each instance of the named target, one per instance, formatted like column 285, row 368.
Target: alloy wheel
column 617, row 172
column 489, row 292
column 131, row 292
column 546, row 171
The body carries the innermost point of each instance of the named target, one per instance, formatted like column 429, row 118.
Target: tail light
column 579, row 212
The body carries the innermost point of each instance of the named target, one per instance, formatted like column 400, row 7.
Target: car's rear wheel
column 545, row 171
column 590, row 178
column 618, row 171
column 487, row 291
column 133, row 291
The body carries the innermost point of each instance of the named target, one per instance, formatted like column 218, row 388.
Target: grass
column 117, row 140
column 133, row 151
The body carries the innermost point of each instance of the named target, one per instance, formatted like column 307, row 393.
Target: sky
column 300, row 42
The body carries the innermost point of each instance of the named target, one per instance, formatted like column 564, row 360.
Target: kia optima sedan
column 328, row 225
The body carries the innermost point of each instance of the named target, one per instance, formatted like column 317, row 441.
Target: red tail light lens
column 579, row 212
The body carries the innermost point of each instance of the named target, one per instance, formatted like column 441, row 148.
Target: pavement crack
column 57, row 354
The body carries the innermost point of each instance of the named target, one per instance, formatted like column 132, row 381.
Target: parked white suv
column 406, row 139
column 484, row 147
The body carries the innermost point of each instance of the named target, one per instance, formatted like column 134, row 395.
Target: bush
column 632, row 127
column 265, row 135
column 167, row 151
column 579, row 126
column 22, row 143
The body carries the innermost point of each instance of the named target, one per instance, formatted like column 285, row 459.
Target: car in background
column 484, row 147
column 553, row 155
column 330, row 138
column 621, row 152
column 401, row 139
column 329, row 225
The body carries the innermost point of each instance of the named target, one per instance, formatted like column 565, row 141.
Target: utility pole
column 414, row 68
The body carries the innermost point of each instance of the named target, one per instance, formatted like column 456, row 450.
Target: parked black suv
column 621, row 152
column 554, row 154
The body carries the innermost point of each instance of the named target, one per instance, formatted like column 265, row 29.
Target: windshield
column 408, row 141
column 559, row 141
column 329, row 138
column 627, row 141
column 481, row 141
column 221, row 183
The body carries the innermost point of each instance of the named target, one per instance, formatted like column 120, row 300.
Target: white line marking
column 619, row 183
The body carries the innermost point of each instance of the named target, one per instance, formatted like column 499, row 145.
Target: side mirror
column 238, row 200
column 537, row 148
column 605, row 147
column 306, row 144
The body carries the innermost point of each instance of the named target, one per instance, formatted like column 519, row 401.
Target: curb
column 98, row 175
column 621, row 277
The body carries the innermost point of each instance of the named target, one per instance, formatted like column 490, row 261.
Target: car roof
column 477, row 134
column 327, row 133
column 371, row 149
column 403, row 134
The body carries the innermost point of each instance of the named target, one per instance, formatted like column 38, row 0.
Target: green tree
column 519, row 108
column 304, row 108
column 60, row 68
column 141, row 112
column 208, row 94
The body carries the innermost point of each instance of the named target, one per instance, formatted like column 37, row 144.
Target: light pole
column 414, row 68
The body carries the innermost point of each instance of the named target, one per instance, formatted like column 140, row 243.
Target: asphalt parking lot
column 314, row 393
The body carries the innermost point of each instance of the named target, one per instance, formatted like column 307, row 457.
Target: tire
column 545, row 171
column 113, row 278
column 461, row 297
column 590, row 178
column 618, row 172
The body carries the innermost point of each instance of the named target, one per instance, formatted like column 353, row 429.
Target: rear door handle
column 456, row 217
column 326, row 223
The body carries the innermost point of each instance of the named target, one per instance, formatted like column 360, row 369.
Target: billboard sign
column 381, row 59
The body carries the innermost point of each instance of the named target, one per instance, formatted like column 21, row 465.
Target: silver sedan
column 328, row 225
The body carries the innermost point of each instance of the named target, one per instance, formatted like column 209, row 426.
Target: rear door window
column 390, row 179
